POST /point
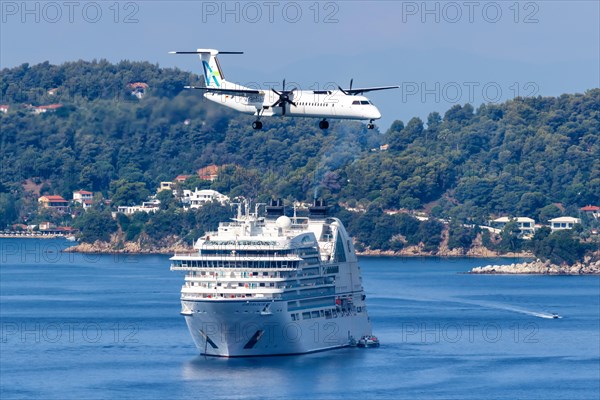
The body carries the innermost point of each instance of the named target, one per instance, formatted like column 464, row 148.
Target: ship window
column 315, row 314
column 305, row 315
column 340, row 253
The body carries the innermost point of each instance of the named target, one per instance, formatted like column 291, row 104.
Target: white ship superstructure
column 273, row 285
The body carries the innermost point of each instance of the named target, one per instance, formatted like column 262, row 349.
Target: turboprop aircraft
column 324, row 104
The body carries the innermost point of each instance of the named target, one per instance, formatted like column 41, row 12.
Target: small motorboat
column 368, row 341
column 556, row 316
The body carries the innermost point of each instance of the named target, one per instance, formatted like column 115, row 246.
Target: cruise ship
column 273, row 285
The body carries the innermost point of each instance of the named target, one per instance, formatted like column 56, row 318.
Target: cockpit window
column 364, row 102
column 355, row 102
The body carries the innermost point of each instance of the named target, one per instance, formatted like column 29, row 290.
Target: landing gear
column 370, row 125
column 324, row 124
column 257, row 125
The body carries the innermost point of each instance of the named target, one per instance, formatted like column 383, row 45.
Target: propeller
column 350, row 89
column 284, row 97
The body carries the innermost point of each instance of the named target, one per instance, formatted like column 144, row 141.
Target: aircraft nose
column 375, row 114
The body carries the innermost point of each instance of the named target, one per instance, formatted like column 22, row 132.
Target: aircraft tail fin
column 211, row 69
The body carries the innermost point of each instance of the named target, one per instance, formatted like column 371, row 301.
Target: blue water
column 100, row 327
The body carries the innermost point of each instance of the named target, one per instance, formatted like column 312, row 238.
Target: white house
column 557, row 224
column 526, row 225
column 47, row 108
column 147, row 207
column 83, row 197
column 198, row 198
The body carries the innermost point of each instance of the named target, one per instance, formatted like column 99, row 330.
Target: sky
column 440, row 53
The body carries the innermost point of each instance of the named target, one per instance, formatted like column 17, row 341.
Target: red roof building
column 53, row 202
column 181, row 178
column 209, row 173
column 138, row 89
column 46, row 108
column 138, row 85
column 591, row 211
column 590, row 208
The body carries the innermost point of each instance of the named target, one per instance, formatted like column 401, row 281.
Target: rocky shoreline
column 415, row 251
column 172, row 247
column 539, row 267
column 144, row 245
column 127, row 248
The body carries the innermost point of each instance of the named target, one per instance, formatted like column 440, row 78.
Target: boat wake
column 483, row 304
column 519, row 310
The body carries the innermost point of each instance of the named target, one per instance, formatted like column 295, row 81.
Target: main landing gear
column 324, row 124
column 370, row 125
column 257, row 125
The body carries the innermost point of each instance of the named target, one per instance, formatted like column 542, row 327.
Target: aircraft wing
column 233, row 92
column 370, row 89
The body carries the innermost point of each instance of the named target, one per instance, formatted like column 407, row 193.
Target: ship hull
column 260, row 328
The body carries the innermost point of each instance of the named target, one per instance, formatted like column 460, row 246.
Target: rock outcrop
column 538, row 267
column 143, row 245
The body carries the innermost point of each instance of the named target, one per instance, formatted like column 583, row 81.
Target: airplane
column 324, row 104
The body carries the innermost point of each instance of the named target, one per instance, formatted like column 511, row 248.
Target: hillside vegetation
column 536, row 157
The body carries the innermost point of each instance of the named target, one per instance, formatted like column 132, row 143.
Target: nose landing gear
column 257, row 125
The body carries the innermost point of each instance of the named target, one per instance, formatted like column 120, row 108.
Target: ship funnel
column 275, row 209
column 318, row 210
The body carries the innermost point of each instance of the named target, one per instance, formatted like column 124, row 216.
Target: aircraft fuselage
column 325, row 104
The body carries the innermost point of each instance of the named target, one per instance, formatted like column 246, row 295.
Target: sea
column 80, row 326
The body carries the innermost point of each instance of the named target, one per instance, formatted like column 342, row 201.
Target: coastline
column 174, row 246
column 472, row 253
column 128, row 248
column 33, row 236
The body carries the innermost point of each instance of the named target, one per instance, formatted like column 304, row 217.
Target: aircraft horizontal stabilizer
column 201, row 51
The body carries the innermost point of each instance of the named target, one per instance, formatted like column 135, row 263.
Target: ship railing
column 178, row 267
column 237, row 257
column 323, row 293
column 227, row 296
column 231, row 290
column 236, row 278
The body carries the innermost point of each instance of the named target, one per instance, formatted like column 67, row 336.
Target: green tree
column 460, row 237
column 548, row 212
column 560, row 247
column 510, row 238
column 95, row 225
column 167, row 200
column 8, row 210
column 129, row 194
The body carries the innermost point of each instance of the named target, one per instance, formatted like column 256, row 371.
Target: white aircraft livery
column 324, row 104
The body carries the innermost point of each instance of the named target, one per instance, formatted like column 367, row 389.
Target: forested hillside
column 517, row 158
